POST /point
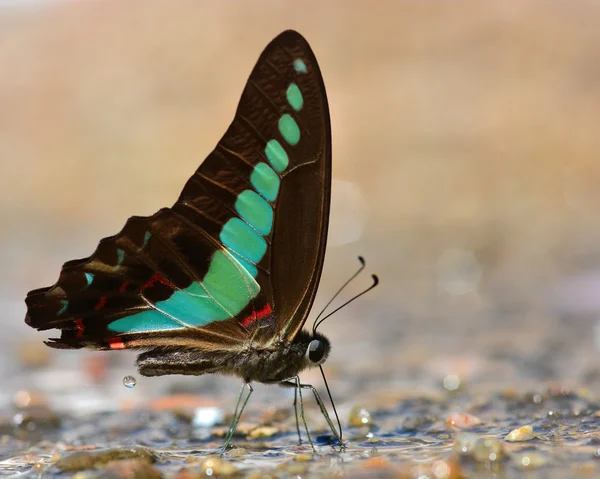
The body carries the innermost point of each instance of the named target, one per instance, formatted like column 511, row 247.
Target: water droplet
column 129, row 381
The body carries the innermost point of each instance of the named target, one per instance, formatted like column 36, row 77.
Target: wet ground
column 552, row 433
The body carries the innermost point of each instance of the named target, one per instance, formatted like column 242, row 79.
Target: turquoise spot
column 289, row 129
column 277, row 155
column 299, row 66
column 146, row 239
column 265, row 181
column 223, row 293
column 243, row 239
column 256, row 211
column 120, row 257
column 64, row 303
column 294, row 97
column 89, row 277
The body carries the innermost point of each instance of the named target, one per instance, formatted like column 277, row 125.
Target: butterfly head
column 317, row 350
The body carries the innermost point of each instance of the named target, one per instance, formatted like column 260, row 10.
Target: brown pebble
column 215, row 466
column 80, row 460
column 521, row 434
column 236, row 452
column 462, row 420
column 359, row 416
column 180, row 401
column 263, row 431
column 25, row 399
column 303, row 457
column 132, row 468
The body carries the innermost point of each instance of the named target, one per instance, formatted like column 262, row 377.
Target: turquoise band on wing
column 222, row 294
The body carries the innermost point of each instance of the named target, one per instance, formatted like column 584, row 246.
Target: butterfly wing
column 239, row 256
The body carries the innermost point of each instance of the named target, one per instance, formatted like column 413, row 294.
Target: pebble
column 524, row 433
column 218, row 467
column 462, row 420
column 81, row 460
column 262, row 431
column 359, row 416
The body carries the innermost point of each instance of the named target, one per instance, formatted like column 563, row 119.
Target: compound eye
column 316, row 350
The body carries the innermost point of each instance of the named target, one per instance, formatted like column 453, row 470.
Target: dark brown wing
column 239, row 255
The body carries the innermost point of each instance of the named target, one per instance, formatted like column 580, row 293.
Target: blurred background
column 466, row 172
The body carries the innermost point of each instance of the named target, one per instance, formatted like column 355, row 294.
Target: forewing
column 239, row 255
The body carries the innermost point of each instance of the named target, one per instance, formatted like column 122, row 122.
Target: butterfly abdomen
column 282, row 360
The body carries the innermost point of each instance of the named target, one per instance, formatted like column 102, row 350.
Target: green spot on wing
column 120, row 257
column 276, row 155
column 300, row 66
column 289, row 129
column 294, row 97
column 265, row 181
column 64, row 304
column 244, row 240
column 256, row 211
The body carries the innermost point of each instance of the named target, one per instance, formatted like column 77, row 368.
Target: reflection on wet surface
column 504, row 434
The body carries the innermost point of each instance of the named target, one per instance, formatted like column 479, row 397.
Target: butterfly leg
column 296, row 414
column 298, row 387
column 295, row 383
column 323, row 411
column 237, row 415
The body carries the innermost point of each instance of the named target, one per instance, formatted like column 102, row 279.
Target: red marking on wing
column 157, row 278
column 80, row 328
column 115, row 343
column 256, row 315
column 101, row 303
column 123, row 287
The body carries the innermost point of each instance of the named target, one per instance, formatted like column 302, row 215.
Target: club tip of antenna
column 375, row 280
column 362, row 260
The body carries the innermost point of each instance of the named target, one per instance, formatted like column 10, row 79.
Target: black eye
column 316, row 350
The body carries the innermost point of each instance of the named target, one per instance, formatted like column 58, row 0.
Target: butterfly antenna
column 362, row 266
column 375, row 283
column 337, row 418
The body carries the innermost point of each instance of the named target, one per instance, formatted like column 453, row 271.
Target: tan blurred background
column 466, row 161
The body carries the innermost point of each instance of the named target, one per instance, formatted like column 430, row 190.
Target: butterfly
column 222, row 281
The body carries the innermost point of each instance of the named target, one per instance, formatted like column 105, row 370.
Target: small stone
column 131, row 468
column 521, row 434
column 86, row 460
column 263, row 431
column 218, row 467
column 359, row 416
column 462, row 420
column 27, row 399
column 303, row 457
column 236, row 452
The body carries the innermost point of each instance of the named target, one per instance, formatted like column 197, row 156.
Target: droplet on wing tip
column 129, row 381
